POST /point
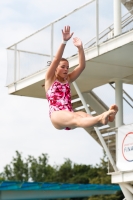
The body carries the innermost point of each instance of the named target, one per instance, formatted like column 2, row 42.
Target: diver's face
column 62, row 69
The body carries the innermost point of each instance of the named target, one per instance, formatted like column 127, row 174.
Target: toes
column 112, row 115
column 111, row 118
column 111, row 107
column 114, row 107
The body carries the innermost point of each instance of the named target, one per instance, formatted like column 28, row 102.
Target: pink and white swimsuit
column 59, row 97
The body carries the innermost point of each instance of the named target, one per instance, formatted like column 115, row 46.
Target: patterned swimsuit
column 59, row 97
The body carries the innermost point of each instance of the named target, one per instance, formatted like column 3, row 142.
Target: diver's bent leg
column 62, row 119
column 83, row 114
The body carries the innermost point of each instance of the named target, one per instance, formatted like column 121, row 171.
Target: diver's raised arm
column 81, row 66
column 66, row 35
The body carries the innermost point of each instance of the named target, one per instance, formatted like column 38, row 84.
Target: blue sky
column 24, row 122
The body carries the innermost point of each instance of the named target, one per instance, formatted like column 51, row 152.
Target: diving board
column 16, row 190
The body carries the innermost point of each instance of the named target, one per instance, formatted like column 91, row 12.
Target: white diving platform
column 107, row 63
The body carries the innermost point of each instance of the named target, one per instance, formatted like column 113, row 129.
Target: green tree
column 1, row 177
column 29, row 169
column 101, row 169
column 17, row 169
column 40, row 170
column 81, row 174
column 64, row 172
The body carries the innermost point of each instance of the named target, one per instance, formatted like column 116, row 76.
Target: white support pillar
column 117, row 17
column 97, row 22
column 119, row 102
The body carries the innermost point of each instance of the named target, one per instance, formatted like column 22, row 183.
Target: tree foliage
column 39, row 170
column 17, row 169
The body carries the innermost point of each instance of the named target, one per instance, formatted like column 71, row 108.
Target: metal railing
column 55, row 21
column 16, row 73
column 23, row 62
column 108, row 33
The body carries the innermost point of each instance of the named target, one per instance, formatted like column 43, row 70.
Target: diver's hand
column 66, row 33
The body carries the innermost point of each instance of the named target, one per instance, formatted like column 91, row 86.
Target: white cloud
column 8, row 13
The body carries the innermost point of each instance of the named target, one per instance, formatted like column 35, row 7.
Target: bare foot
column 105, row 116
column 112, row 116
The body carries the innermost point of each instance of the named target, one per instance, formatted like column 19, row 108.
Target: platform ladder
column 104, row 135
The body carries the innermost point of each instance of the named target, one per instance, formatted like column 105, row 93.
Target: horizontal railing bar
column 31, row 52
column 17, row 81
column 75, row 10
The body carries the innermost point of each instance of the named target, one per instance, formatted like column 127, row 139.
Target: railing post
column 97, row 22
column 52, row 40
column 15, row 63
column 18, row 66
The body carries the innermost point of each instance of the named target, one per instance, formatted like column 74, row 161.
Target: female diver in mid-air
column 57, row 88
